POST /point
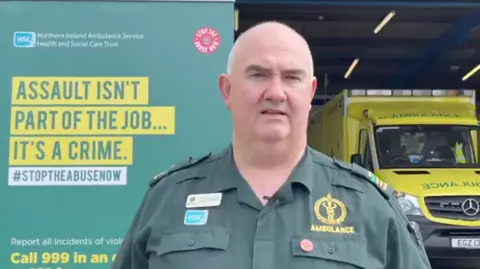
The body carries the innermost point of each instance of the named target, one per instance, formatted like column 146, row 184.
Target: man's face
column 270, row 88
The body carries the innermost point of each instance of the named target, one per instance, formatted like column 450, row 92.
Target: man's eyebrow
column 259, row 68
column 294, row 71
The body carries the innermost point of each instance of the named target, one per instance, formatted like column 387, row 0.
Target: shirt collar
column 303, row 172
column 226, row 175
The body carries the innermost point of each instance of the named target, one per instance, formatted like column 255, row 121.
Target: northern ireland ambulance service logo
column 331, row 212
column 206, row 40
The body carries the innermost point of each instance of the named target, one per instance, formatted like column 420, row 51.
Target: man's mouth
column 272, row 112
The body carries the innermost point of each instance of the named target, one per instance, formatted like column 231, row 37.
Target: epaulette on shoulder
column 362, row 173
column 177, row 167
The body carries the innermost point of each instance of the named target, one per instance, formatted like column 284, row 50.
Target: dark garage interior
column 418, row 46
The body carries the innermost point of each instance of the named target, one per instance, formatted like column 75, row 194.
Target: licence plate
column 471, row 243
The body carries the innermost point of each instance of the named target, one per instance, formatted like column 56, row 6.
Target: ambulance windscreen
column 426, row 146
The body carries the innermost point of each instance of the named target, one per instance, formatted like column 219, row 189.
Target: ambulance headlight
column 409, row 204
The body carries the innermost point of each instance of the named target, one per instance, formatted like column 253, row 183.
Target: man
column 268, row 200
column 455, row 139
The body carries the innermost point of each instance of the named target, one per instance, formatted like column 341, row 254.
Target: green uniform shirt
column 329, row 215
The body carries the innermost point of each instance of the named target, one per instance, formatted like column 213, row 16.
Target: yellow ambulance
column 424, row 144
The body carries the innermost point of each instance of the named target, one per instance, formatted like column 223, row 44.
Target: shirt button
column 191, row 242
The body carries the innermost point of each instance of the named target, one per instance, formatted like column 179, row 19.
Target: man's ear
column 313, row 90
column 314, row 87
column 225, row 88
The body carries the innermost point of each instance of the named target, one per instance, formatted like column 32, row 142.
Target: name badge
column 196, row 217
column 203, row 200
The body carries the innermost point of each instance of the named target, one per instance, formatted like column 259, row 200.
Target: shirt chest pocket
column 189, row 248
column 333, row 252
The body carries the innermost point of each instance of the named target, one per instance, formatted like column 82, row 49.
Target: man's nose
column 276, row 91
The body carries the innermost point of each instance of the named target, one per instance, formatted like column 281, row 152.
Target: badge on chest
column 196, row 217
column 203, row 200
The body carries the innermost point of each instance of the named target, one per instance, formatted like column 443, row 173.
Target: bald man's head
column 269, row 84
column 273, row 31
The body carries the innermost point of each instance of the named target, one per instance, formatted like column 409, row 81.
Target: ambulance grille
column 450, row 207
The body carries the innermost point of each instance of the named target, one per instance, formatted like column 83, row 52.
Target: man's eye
column 293, row 78
column 257, row 75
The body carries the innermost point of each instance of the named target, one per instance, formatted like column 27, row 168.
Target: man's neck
column 259, row 155
column 266, row 166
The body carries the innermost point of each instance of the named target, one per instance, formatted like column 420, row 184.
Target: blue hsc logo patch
column 196, row 217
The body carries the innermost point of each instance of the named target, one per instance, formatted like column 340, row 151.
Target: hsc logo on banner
column 24, row 39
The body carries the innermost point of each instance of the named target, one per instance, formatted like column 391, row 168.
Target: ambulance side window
column 362, row 143
column 364, row 150
column 367, row 159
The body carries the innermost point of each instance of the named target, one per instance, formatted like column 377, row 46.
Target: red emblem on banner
column 206, row 40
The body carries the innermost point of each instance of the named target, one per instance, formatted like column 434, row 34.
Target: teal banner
column 99, row 97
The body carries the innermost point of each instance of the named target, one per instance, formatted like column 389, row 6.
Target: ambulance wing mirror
column 356, row 159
